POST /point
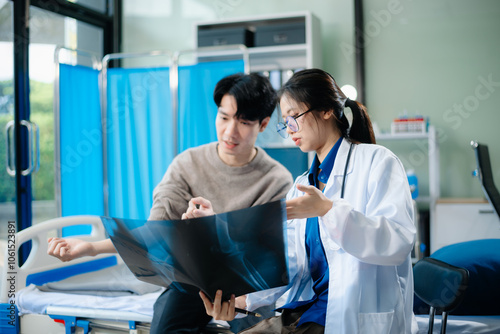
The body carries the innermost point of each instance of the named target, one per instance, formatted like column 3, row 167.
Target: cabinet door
column 460, row 222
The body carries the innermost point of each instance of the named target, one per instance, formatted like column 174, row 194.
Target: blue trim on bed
column 68, row 320
column 69, row 231
column 9, row 319
column 73, row 270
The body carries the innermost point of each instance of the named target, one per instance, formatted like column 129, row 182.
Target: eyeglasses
column 291, row 122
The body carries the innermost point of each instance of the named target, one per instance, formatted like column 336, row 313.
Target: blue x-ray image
column 238, row 252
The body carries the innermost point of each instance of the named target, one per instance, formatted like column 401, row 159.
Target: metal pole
column 359, row 46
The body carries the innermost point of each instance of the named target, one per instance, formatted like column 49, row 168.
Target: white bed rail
column 14, row 277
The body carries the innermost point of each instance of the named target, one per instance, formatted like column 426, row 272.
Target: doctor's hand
column 198, row 207
column 223, row 310
column 313, row 204
column 70, row 249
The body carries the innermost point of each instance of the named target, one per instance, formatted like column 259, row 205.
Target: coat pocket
column 376, row 323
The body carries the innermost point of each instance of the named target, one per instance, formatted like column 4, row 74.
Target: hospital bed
column 477, row 300
column 87, row 295
column 443, row 289
column 97, row 293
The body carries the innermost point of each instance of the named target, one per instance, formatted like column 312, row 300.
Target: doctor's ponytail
column 361, row 129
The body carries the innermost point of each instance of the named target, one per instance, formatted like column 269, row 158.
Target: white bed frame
column 62, row 320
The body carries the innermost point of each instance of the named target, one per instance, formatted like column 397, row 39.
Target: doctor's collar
column 326, row 166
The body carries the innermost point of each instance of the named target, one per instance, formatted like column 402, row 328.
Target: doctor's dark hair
column 318, row 90
column 255, row 97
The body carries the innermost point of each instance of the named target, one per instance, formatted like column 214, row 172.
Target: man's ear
column 264, row 123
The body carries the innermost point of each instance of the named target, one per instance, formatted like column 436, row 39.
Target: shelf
column 390, row 136
column 278, row 49
column 298, row 49
column 278, row 59
column 265, row 58
column 453, row 200
column 274, row 57
column 250, row 21
column 431, row 147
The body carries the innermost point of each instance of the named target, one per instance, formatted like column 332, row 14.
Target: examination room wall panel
column 438, row 58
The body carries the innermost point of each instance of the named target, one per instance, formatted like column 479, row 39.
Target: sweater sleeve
column 282, row 183
column 172, row 194
column 279, row 178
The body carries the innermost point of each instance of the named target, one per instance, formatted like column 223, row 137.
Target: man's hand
column 313, row 204
column 70, row 249
column 198, row 207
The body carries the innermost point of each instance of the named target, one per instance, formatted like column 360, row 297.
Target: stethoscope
column 345, row 171
column 342, row 189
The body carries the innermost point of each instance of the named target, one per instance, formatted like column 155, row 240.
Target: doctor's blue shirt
column 318, row 263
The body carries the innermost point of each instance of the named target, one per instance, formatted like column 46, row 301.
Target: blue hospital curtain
column 81, row 154
column 197, row 110
column 139, row 138
column 140, row 129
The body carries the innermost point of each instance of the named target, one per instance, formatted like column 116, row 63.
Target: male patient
column 231, row 173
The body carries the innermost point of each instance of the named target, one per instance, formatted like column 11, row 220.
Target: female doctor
column 350, row 224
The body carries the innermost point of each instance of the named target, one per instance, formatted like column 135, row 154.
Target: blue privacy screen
column 139, row 137
column 197, row 110
column 80, row 144
column 140, row 128
column 139, row 133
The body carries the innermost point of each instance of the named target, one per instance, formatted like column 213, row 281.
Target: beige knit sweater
column 200, row 172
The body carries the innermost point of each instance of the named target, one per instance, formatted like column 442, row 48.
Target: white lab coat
column 368, row 237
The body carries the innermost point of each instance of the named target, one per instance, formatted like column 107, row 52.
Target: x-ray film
column 238, row 252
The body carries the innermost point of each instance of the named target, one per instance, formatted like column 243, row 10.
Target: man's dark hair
column 255, row 96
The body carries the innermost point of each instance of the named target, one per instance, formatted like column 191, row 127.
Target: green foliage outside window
column 41, row 104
